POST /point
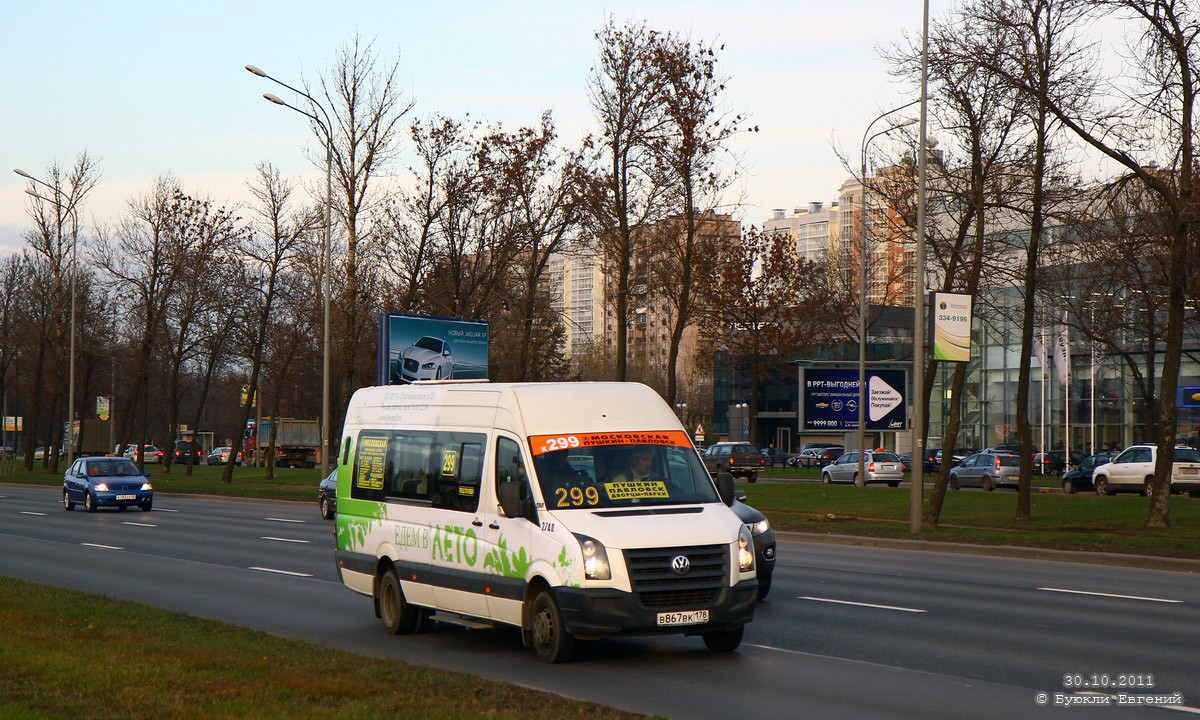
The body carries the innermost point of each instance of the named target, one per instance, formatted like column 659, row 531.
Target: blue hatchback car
column 106, row 481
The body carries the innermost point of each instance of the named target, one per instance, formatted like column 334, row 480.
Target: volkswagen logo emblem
column 680, row 564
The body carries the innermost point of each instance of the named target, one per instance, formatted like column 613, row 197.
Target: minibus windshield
column 626, row 469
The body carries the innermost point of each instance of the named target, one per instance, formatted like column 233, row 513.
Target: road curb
column 1146, row 562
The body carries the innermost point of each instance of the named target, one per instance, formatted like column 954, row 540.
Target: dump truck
column 297, row 442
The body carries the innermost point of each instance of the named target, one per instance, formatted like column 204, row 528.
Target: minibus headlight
column 101, row 487
column 595, row 559
column 760, row 527
column 745, row 549
column 146, row 486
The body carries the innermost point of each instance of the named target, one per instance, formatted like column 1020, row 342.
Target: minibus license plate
column 127, row 497
column 1188, row 470
column 691, row 617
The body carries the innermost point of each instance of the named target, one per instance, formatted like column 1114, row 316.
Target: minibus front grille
column 679, row 599
column 658, row 584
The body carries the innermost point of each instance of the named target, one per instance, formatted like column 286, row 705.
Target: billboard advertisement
column 829, row 399
column 952, row 327
column 416, row 347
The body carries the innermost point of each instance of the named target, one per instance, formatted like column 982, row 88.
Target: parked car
column 988, row 470
column 185, row 447
column 39, row 453
column 933, row 459
column 106, row 481
column 150, row 454
column 1079, row 478
column 735, row 458
column 812, row 455
column 327, row 496
column 764, row 540
column 820, row 457
column 1133, row 469
column 1013, row 448
column 956, row 459
column 426, row 359
column 1054, row 461
column 220, row 456
column 882, row 467
column 906, row 461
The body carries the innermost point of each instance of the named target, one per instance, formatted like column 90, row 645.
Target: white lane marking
column 860, row 604
column 280, row 572
column 158, row 509
column 26, row 512
column 285, row 520
column 268, row 537
column 102, row 547
column 139, row 524
column 1180, row 708
column 1111, row 595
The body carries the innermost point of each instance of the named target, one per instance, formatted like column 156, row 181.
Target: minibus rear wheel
column 399, row 618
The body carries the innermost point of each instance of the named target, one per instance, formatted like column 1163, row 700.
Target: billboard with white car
column 417, row 347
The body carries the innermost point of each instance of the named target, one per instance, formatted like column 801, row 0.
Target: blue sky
column 155, row 88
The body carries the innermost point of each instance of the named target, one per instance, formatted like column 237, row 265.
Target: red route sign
column 550, row 443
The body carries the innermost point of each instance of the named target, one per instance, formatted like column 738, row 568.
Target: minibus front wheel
column 551, row 640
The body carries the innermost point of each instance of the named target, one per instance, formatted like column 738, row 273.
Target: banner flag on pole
column 1062, row 352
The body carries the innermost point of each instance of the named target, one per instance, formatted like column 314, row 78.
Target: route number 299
column 561, row 443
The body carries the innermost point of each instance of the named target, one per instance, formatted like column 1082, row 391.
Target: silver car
column 986, row 470
column 878, row 467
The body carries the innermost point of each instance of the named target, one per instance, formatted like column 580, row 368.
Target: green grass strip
column 68, row 654
column 1067, row 522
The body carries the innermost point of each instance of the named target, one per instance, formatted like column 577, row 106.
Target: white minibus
column 569, row 510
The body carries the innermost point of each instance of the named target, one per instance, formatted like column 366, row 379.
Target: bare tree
column 409, row 224
column 203, row 235
column 761, row 303
column 1153, row 113
column 52, row 210
column 624, row 189
column 977, row 120
column 367, row 104
column 1040, row 57
column 690, row 144
column 531, row 182
column 269, row 251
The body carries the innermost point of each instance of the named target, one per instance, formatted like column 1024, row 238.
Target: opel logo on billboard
column 680, row 564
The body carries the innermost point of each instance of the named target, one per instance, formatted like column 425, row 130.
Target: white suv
column 1133, row 470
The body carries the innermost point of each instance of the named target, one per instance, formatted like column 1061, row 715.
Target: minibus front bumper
column 600, row 612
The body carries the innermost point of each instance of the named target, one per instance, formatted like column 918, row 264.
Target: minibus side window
column 410, row 464
column 509, row 466
column 460, row 466
column 370, row 466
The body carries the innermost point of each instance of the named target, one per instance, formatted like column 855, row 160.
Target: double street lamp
column 864, row 249
column 326, row 128
column 70, row 207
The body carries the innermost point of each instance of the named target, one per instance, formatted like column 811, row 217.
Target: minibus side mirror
column 513, row 504
column 725, row 487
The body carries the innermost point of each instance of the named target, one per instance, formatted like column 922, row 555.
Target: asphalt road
column 847, row 632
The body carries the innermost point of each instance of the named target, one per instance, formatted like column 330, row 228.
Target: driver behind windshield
column 640, row 463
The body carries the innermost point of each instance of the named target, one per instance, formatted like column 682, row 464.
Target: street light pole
column 918, row 473
column 863, row 395
column 326, row 127
column 74, row 272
